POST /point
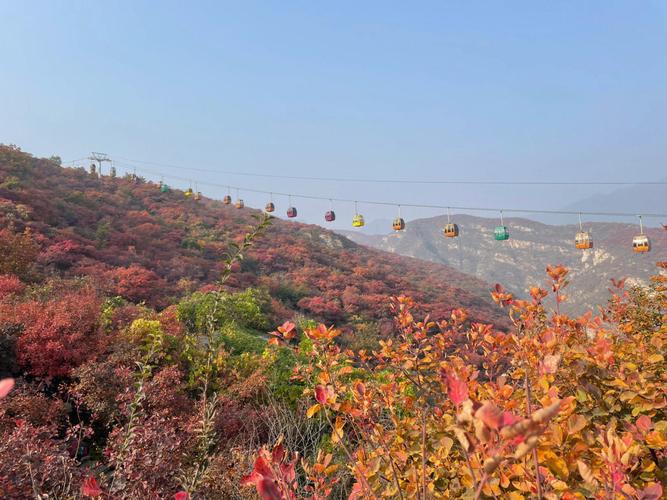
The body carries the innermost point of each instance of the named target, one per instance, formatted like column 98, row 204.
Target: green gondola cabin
column 501, row 233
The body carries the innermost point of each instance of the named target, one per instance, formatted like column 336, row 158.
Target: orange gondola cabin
column 641, row 244
column 583, row 240
column 451, row 230
column 227, row 200
column 398, row 224
column 239, row 203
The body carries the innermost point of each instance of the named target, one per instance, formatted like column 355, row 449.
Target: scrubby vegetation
column 123, row 380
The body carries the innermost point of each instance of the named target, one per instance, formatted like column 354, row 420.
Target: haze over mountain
column 520, row 262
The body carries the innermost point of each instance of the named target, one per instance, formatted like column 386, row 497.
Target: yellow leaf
column 557, row 434
column 331, row 469
column 656, row 440
column 337, row 434
column 655, row 358
column 559, row 485
column 585, row 472
column 557, row 466
column 513, row 495
column 575, row 423
column 313, row 410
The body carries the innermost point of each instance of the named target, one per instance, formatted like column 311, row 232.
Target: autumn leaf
column 644, row 424
column 182, row 495
column 268, row 490
column 313, row 410
column 491, row 415
column 575, row 423
column 90, row 487
column 6, row 385
column 652, row 492
column 585, row 472
column 550, row 363
column 321, row 394
column 457, row 389
column 557, row 465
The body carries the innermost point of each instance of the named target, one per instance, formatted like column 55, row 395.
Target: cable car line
column 402, row 181
column 413, row 205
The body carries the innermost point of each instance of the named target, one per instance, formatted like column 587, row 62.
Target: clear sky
column 432, row 90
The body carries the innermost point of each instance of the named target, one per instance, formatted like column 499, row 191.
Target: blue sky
column 430, row 90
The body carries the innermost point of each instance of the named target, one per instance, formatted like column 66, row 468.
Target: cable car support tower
column 99, row 158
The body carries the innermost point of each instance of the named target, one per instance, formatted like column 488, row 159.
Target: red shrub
column 10, row 284
column 58, row 334
column 137, row 284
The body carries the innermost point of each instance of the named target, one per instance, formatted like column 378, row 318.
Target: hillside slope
column 133, row 240
column 520, row 262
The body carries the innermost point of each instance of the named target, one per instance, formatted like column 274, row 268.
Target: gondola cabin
column 197, row 196
column 227, row 200
column 188, row 192
column 501, row 233
column 451, row 230
column 330, row 216
column 239, row 203
column 291, row 212
column 641, row 244
column 583, row 240
column 270, row 207
column 358, row 221
column 164, row 188
column 398, row 224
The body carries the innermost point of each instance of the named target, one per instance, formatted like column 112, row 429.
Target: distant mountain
column 132, row 239
column 632, row 199
column 520, row 262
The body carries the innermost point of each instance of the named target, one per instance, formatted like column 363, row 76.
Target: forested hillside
column 144, row 245
column 153, row 346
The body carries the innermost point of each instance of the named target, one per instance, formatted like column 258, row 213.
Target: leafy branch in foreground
column 205, row 432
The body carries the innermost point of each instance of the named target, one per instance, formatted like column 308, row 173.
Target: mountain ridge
column 520, row 262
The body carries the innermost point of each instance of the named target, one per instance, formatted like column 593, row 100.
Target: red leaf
column 491, row 415
column 287, row 327
column 263, row 468
column 457, row 389
column 6, row 385
column 268, row 490
column 251, row 479
column 644, row 424
column 357, row 492
column 182, row 495
column 278, row 453
column 90, row 488
column 321, row 394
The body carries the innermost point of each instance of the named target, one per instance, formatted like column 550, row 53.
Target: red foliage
column 150, row 246
column 62, row 254
column 136, row 283
column 90, row 487
column 9, row 285
column 58, row 334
